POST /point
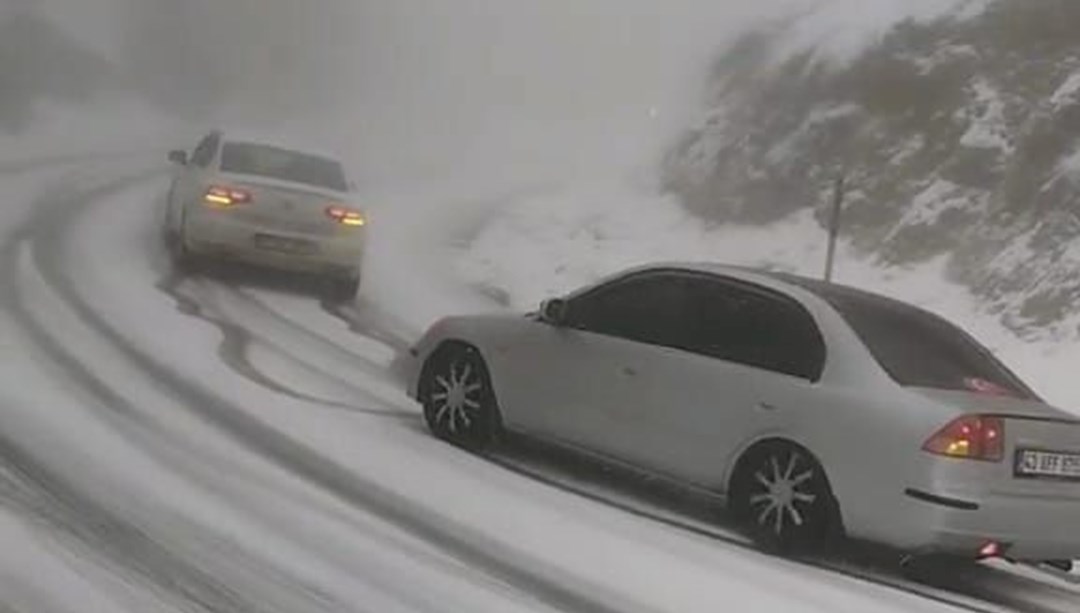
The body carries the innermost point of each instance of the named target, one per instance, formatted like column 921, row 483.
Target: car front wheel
column 458, row 399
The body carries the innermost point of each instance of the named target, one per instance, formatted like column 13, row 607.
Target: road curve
column 215, row 445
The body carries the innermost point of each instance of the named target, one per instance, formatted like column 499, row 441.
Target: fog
column 422, row 87
column 413, row 88
column 447, row 111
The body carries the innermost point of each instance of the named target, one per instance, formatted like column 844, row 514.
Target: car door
column 568, row 382
column 190, row 179
column 745, row 357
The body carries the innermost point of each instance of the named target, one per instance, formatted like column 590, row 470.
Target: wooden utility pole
column 834, row 226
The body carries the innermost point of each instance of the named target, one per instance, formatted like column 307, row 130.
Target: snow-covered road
column 199, row 444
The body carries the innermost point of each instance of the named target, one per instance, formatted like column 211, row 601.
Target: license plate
column 284, row 244
column 1059, row 465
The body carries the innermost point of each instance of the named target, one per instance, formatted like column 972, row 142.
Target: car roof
column 828, row 294
column 278, row 141
column 785, row 282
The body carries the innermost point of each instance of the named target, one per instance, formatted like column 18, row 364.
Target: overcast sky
column 565, row 83
column 476, row 73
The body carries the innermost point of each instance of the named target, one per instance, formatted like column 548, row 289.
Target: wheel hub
column 783, row 492
column 456, row 396
column 777, row 504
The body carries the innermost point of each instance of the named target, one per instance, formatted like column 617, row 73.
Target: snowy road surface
column 195, row 444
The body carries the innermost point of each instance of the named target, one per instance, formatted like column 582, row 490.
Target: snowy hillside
column 959, row 137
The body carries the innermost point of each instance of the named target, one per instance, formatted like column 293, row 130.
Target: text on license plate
column 1032, row 463
column 284, row 244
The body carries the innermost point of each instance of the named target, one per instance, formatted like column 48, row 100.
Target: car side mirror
column 178, row 157
column 554, row 311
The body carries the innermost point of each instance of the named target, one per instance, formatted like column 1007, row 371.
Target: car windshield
column 266, row 161
column 920, row 349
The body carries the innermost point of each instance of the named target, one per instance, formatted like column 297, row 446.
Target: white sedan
column 240, row 199
column 814, row 410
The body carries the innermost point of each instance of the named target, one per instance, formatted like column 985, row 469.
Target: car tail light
column 972, row 437
column 221, row 197
column 991, row 549
column 345, row 216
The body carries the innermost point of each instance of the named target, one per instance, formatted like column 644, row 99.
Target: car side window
column 753, row 326
column 204, row 152
column 646, row 308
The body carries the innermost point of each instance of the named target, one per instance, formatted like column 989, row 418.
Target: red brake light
column 972, row 437
column 992, row 549
column 345, row 216
column 219, row 196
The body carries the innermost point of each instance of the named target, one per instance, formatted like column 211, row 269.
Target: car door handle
column 767, row 406
column 628, row 371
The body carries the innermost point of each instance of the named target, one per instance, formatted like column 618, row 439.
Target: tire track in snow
column 364, row 317
column 532, row 578
column 367, row 365
column 278, row 591
column 378, row 372
column 47, row 495
column 235, row 560
column 90, row 529
column 233, row 350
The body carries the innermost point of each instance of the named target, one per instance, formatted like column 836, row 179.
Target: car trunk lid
column 1042, row 443
column 286, row 207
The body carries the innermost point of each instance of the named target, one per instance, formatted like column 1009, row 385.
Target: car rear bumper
column 219, row 236
column 1031, row 528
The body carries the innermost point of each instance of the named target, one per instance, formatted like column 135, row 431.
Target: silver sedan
column 242, row 199
column 813, row 410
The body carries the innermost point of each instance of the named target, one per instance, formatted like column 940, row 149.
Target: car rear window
column 266, row 161
column 919, row 349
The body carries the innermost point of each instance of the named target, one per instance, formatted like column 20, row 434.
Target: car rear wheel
column 781, row 496
column 458, row 399
column 343, row 290
column 182, row 259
